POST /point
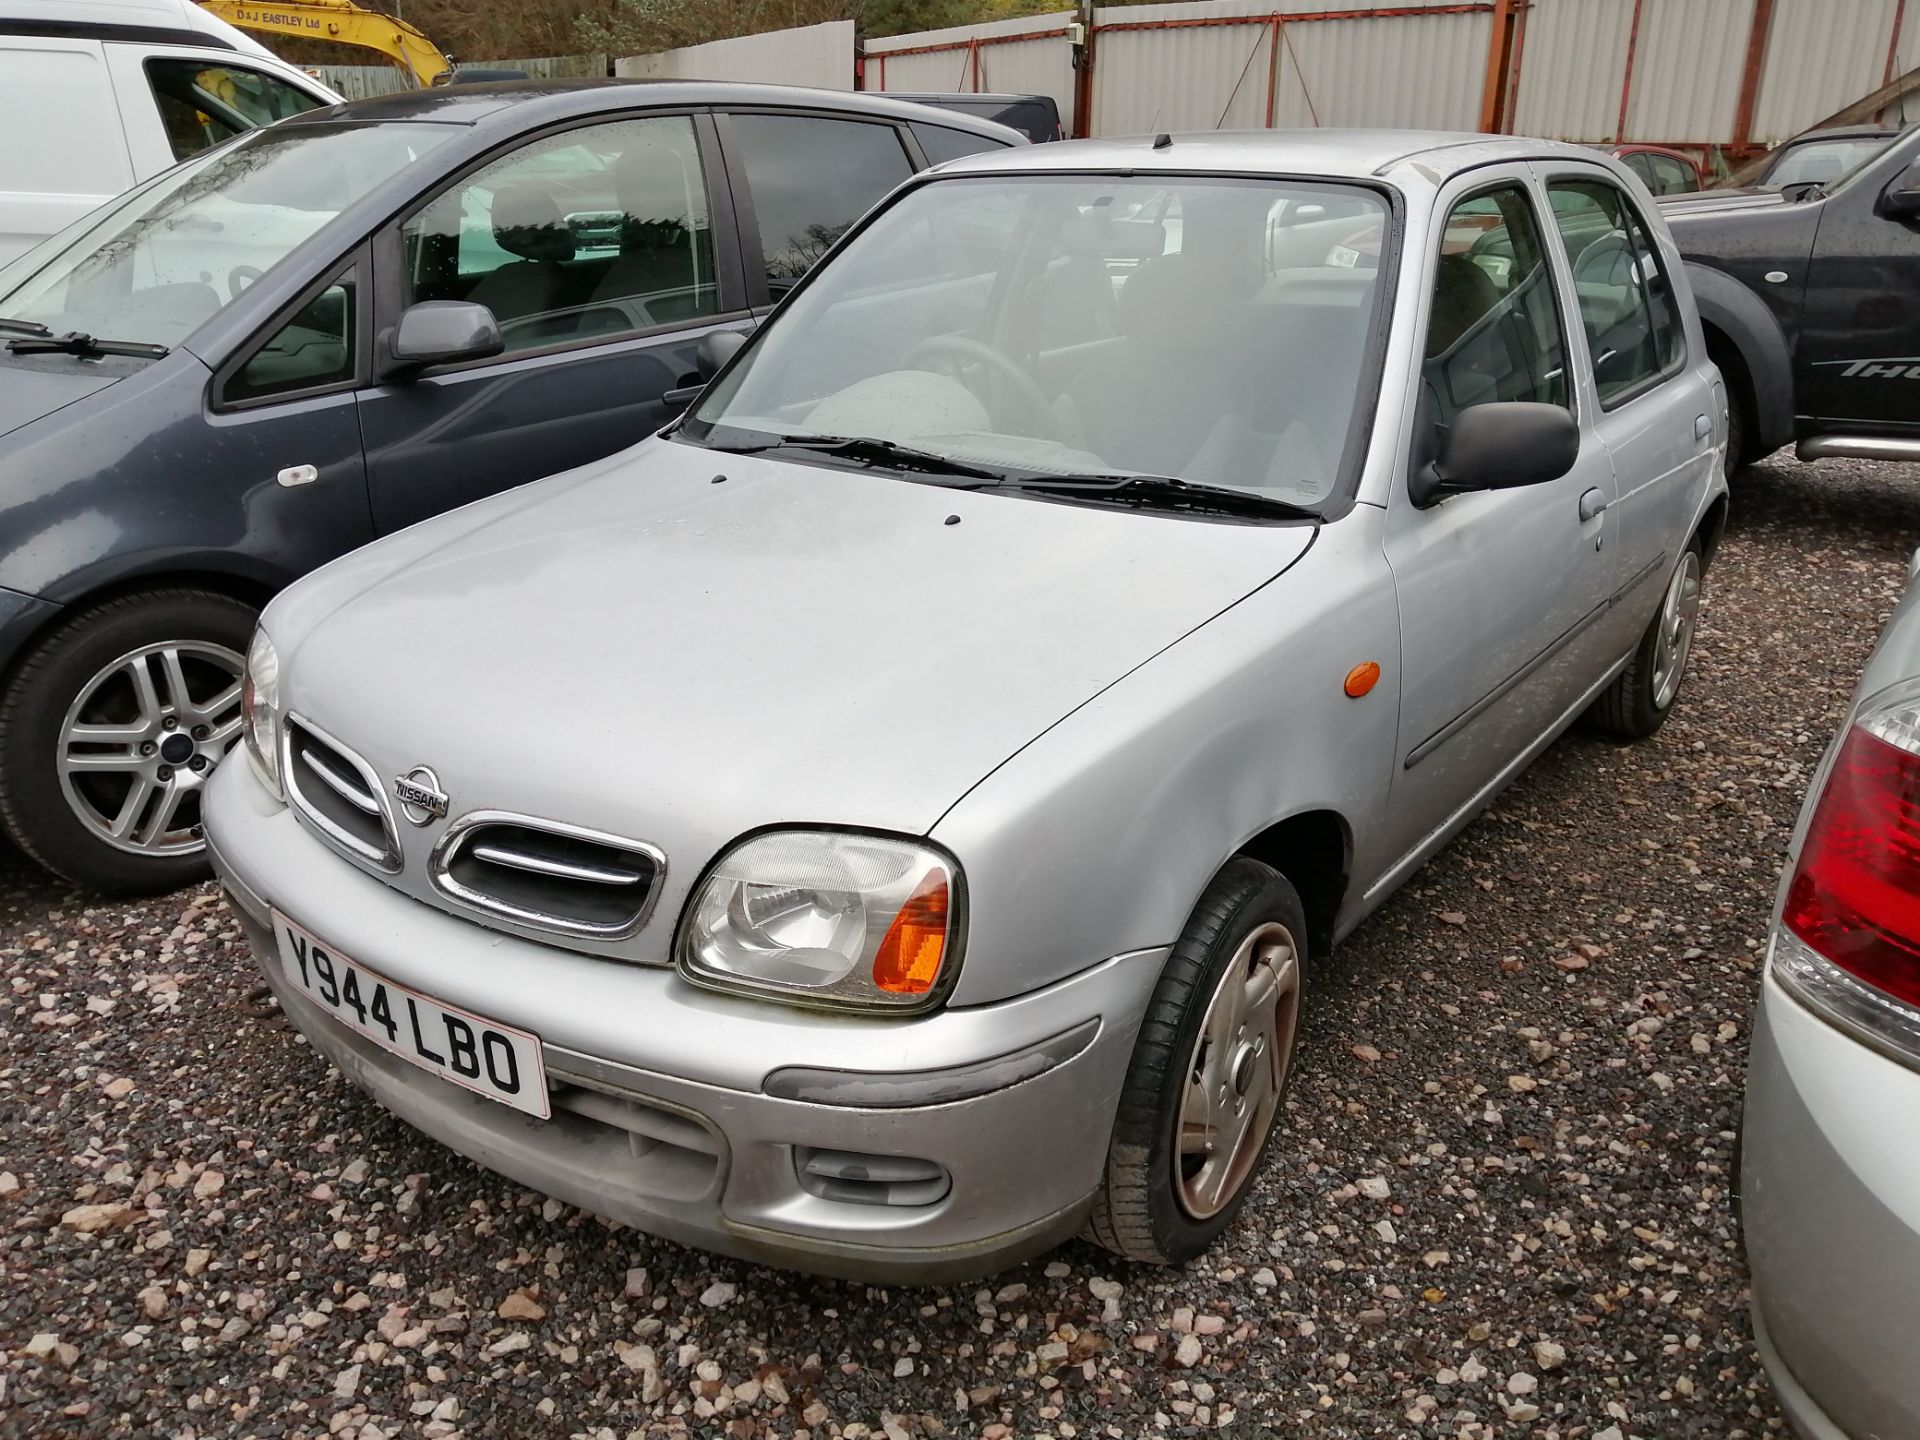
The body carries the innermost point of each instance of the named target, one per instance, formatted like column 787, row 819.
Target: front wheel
column 1639, row 701
column 111, row 728
column 1209, row 1070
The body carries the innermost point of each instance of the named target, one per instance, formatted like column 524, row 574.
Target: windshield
column 1069, row 325
column 1826, row 162
column 157, row 266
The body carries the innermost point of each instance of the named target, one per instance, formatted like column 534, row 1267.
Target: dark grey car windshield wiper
column 25, row 327
column 1167, row 492
column 76, row 342
column 868, row 450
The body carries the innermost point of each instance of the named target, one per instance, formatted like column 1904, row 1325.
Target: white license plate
column 477, row 1054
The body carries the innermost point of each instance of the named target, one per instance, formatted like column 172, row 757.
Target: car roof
column 1846, row 132
column 1350, row 154
column 176, row 22
column 527, row 104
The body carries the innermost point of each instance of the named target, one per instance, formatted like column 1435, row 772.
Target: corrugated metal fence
column 1699, row 73
column 1695, row 73
column 819, row 55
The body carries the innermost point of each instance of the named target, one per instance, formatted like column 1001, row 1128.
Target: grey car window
column 1494, row 331
column 579, row 236
column 1626, row 300
column 158, row 264
column 1064, row 325
column 811, row 178
column 942, row 142
column 1670, row 177
column 315, row 347
column 202, row 104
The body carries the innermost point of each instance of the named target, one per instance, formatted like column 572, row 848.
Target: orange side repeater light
column 1362, row 678
column 909, row 958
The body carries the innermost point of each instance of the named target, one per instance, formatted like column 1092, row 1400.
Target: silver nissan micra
column 887, row 823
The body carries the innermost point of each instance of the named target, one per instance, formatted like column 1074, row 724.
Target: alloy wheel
column 142, row 738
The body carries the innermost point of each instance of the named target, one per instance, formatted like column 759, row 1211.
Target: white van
column 96, row 95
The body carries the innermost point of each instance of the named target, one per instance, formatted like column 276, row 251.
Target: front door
column 1858, row 362
column 1500, row 591
column 605, row 252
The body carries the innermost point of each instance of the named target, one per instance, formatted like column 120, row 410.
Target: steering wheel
column 1601, row 261
column 240, row 277
column 961, row 348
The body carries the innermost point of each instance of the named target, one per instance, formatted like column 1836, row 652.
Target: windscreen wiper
column 868, row 450
column 76, row 342
column 1166, row 492
column 25, row 327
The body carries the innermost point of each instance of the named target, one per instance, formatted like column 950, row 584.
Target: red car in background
column 1664, row 171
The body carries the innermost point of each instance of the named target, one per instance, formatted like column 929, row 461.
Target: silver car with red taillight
column 1831, row 1143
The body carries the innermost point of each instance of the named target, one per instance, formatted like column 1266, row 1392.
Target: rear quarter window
column 942, row 142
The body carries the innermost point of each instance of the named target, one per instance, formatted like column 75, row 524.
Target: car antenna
column 1162, row 141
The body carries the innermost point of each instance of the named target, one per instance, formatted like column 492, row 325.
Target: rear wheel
column 1639, row 701
column 109, row 732
column 1209, row 1071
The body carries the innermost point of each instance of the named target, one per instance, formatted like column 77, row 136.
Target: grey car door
column 1500, row 591
column 606, row 252
column 280, row 426
column 1653, row 409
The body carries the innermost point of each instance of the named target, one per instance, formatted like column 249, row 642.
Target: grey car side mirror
column 443, row 332
column 715, row 349
column 1901, row 199
column 1501, row 445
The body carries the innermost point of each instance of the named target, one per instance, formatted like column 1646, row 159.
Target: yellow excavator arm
column 344, row 22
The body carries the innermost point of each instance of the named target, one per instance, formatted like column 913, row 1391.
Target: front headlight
column 260, row 710
column 828, row 918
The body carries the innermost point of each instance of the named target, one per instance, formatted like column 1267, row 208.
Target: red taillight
column 1855, row 895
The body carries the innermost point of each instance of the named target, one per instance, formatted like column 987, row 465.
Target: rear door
column 1653, row 409
column 606, row 251
column 65, row 148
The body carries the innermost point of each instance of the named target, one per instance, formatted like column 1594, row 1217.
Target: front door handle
column 1702, row 426
column 1592, row 503
column 295, row 476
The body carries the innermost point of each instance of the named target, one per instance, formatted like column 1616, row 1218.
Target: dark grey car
column 328, row 330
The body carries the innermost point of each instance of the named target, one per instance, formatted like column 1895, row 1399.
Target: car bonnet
column 649, row 650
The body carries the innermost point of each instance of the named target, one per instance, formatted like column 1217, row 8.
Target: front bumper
column 1831, row 1206
column 660, row 1117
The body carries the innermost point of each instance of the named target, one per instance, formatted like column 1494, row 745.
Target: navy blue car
column 327, row 330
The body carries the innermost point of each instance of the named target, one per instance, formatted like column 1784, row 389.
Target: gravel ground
column 1499, row 1206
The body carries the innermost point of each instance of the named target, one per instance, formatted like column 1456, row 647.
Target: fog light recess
column 857, row 1179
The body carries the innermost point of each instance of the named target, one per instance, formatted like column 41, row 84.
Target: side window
column 202, row 104
column 942, row 143
column 1670, row 177
column 590, row 233
column 1626, row 300
column 316, row 347
column 1495, row 331
column 1641, row 164
column 811, row 178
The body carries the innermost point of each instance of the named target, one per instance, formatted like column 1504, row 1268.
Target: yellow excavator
column 347, row 24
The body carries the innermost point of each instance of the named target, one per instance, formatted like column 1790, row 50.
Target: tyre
column 1739, row 428
column 108, row 731
column 1209, row 1071
column 1640, row 699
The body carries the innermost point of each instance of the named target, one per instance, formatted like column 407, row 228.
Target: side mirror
column 443, row 332
column 715, row 349
column 1901, row 199
column 1499, row 446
